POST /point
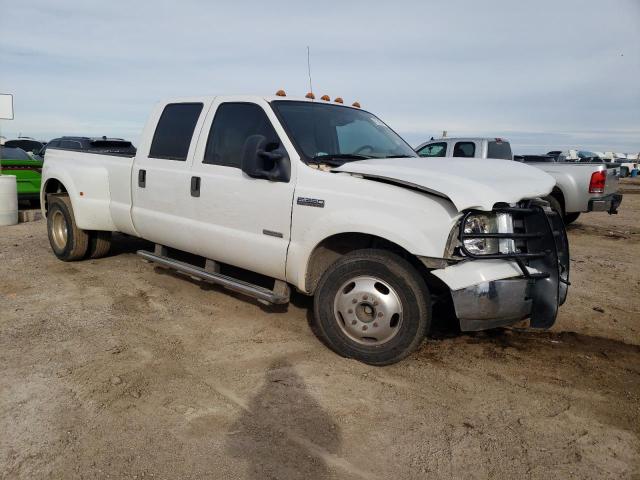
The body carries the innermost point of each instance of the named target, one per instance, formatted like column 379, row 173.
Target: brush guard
column 541, row 243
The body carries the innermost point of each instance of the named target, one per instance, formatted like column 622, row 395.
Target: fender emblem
column 310, row 202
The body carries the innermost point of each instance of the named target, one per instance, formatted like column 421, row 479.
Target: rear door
column 246, row 221
column 161, row 176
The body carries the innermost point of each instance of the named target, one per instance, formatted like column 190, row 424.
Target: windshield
column 334, row 134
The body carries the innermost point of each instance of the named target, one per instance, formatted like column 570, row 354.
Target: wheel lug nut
column 375, row 324
column 350, row 310
column 355, row 300
column 353, row 322
column 375, row 304
column 364, row 297
column 380, row 314
column 364, row 327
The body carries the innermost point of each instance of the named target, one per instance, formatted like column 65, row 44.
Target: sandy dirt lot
column 114, row 369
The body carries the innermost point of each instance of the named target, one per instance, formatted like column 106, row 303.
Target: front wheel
column 373, row 306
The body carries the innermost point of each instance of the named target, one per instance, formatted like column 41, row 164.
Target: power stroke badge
column 310, row 202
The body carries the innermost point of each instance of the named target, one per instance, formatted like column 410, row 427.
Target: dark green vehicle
column 15, row 161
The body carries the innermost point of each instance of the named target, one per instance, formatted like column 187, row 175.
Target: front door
column 242, row 221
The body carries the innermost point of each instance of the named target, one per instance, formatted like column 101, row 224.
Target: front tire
column 372, row 306
column 68, row 242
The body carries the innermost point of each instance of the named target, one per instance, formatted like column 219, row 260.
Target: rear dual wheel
column 373, row 306
column 68, row 241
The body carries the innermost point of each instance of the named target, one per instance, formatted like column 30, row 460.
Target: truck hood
column 467, row 182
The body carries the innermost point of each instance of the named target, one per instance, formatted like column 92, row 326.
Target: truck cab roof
column 254, row 99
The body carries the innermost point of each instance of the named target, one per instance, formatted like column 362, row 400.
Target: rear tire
column 571, row 217
column 68, row 242
column 99, row 244
column 373, row 306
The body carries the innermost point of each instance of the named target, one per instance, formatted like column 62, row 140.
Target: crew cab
column 264, row 194
column 580, row 187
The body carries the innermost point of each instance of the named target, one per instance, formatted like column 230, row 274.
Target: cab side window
column 173, row 133
column 233, row 124
column 464, row 149
column 434, row 150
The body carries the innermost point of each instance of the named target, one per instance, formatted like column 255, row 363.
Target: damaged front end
column 514, row 265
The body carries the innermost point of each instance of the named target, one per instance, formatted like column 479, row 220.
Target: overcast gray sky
column 545, row 74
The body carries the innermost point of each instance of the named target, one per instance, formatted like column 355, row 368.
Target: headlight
column 489, row 223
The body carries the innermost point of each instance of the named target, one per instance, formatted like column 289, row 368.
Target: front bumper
column 493, row 304
column 607, row 203
column 489, row 291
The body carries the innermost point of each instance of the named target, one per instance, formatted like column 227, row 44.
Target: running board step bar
column 280, row 293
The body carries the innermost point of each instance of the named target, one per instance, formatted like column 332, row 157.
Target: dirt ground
column 113, row 369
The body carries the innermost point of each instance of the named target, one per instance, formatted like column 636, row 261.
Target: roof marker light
column 356, row 104
column 326, row 98
column 281, row 93
column 339, row 100
column 310, row 95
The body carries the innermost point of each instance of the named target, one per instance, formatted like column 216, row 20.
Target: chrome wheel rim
column 59, row 230
column 368, row 310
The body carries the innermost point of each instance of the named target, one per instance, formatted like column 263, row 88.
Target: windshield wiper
column 339, row 158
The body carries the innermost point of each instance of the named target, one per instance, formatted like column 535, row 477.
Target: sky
column 547, row 75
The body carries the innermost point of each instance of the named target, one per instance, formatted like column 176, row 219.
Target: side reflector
column 281, row 93
column 598, row 179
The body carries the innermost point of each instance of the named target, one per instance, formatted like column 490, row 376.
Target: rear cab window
column 499, row 149
column 434, row 150
column 174, row 131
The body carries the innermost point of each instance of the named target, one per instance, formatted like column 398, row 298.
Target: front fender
column 413, row 231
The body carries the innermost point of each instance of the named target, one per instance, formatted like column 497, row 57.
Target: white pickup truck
column 269, row 193
column 580, row 187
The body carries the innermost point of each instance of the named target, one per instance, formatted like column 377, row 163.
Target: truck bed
column 574, row 179
column 101, row 183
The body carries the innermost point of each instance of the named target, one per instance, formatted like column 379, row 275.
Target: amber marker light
column 356, row 104
column 325, row 98
column 339, row 100
column 281, row 93
column 310, row 95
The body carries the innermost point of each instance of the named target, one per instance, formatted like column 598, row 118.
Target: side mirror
column 263, row 160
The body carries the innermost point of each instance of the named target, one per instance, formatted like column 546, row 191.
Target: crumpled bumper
column 492, row 304
column 493, row 292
